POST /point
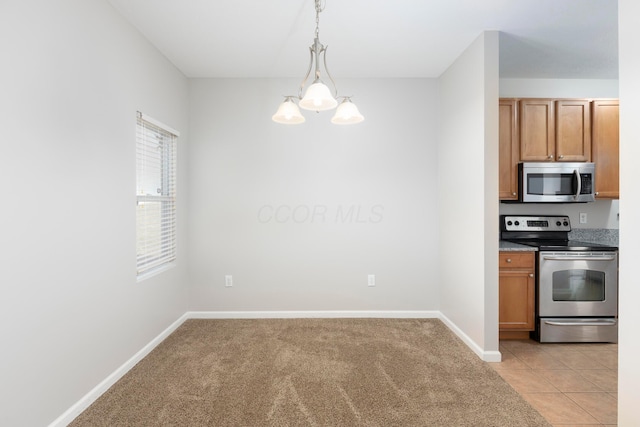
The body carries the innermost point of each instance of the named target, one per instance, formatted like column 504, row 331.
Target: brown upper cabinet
column 508, row 149
column 564, row 130
column 555, row 130
column 537, row 130
column 606, row 147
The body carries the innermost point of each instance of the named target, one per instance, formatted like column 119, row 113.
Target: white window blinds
column 156, row 195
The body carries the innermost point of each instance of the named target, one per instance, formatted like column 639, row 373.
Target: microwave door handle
column 579, row 181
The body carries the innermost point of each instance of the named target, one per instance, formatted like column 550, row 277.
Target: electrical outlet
column 583, row 217
column 228, row 281
column 371, row 280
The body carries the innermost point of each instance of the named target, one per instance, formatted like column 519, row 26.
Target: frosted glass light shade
column 288, row 113
column 347, row 114
column 318, row 98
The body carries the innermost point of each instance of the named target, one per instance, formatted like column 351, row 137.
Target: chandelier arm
column 304, row 81
column 324, row 58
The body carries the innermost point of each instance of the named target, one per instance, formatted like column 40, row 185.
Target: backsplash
column 607, row 236
column 600, row 214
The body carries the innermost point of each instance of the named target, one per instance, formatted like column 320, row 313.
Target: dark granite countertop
column 591, row 235
column 603, row 236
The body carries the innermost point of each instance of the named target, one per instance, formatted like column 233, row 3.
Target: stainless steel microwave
column 556, row 182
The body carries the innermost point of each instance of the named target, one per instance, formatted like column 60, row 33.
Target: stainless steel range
column 577, row 282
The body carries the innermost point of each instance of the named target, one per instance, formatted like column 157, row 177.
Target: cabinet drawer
column 522, row 260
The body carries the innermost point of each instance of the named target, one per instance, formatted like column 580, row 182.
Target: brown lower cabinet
column 517, row 294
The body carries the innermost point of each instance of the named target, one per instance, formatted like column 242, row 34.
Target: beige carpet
column 311, row 372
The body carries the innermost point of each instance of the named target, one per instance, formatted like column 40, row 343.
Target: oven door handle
column 594, row 323
column 578, row 258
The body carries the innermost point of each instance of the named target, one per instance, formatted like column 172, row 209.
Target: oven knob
column 517, row 223
column 565, row 223
column 558, row 223
column 509, row 223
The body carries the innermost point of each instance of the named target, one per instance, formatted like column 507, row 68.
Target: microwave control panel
column 586, row 183
column 536, row 223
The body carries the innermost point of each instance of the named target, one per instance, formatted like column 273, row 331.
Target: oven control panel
column 535, row 223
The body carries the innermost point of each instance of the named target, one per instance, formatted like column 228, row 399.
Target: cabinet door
column 537, row 130
column 606, row 148
column 508, row 149
column 573, row 131
column 517, row 289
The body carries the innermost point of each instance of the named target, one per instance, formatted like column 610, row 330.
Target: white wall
column 629, row 345
column 300, row 215
column 558, row 88
column 73, row 75
column 467, row 187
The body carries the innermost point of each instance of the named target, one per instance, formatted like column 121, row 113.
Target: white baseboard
column 487, row 356
column 93, row 395
column 98, row 390
column 492, row 356
column 328, row 314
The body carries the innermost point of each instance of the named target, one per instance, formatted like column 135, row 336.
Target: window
column 156, row 195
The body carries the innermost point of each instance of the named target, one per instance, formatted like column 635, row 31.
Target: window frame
column 156, row 227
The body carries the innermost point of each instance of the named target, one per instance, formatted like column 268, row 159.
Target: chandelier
column 318, row 96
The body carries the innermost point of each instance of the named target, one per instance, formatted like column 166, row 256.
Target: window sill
column 155, row 271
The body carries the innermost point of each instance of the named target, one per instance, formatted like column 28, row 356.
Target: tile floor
column 569, row 384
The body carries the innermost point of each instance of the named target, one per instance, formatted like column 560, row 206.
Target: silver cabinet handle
column 579, row 258
column 597, row 323
column 597, row 193
column 513, row 194
column 561, row 156
column 508, row 259
column 530, row 274
column 550, row 156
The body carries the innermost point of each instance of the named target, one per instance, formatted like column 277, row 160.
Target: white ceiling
column 375, row 38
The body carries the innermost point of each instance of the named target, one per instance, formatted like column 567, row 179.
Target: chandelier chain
column 319, row 8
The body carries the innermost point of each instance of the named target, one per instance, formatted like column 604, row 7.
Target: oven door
column 578, row 284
